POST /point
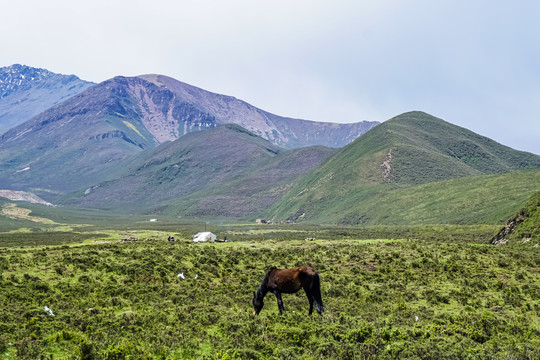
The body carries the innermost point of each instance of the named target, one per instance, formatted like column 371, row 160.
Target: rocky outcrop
column 501, row 237
column 524, row 225
column 115, row 134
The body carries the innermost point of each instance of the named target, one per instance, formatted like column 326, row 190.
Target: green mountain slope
column 211, row 172
column 416, row 147
column 479, row 199
column 443, row 150
column 255, row 189
column 411, row 149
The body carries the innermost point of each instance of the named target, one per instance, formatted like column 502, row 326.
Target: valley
column 152, row 145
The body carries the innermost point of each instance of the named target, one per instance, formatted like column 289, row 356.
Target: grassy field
column 422, row 292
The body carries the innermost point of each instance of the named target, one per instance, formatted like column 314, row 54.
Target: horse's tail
column 316, row 289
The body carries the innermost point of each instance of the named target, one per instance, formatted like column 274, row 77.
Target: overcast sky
column 473, row 63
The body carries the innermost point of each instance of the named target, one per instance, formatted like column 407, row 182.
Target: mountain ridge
column 410, row 149
column 77, row 142
column 282, row 131
column 26, row 91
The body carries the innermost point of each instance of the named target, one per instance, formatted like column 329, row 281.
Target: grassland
column 428, row 292
column 480, row 199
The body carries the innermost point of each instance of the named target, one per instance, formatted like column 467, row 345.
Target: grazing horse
column 289, row 281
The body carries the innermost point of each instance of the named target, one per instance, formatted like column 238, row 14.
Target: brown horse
column 289, row 281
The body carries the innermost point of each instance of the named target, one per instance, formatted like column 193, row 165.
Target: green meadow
column 431, row 292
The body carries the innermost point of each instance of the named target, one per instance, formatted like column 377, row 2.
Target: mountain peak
column 186, row 91
column 26, row 91
column 159, row 80
column 412, row 118
column 19, row 77
column 420, row 140
column 282, row 131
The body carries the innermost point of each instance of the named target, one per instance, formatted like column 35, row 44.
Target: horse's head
column 257, row 304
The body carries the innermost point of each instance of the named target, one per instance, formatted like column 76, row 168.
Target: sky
column 475, row 64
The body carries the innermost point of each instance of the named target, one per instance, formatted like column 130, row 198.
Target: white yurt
column 204, row 237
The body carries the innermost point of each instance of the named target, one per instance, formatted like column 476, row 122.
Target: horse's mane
column 261, row 291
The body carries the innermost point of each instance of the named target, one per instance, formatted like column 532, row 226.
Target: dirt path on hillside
column 386, row 167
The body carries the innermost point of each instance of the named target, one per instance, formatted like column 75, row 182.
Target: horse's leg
column 310, row 298
column 279, row 302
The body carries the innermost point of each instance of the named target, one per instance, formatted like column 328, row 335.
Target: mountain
column 523, row 226
column 79, row 142
column 411, row 149
column 136, row 144
column 26, row 91
column 255, row 190
column 225, row 171
column 73, row 144
column 191, row 108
